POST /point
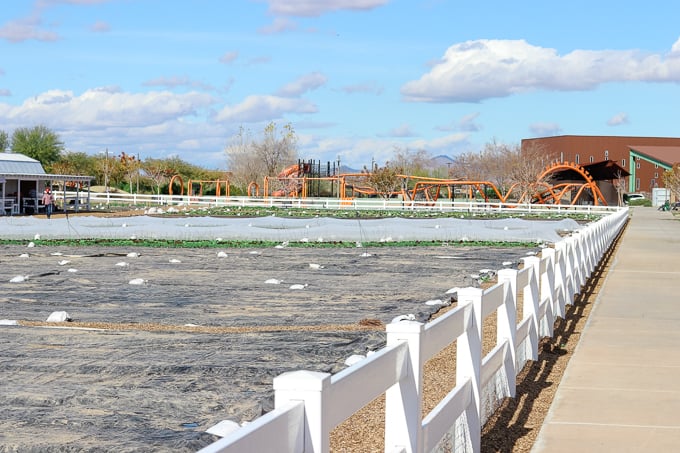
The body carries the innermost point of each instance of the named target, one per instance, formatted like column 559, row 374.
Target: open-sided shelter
column 23, row 179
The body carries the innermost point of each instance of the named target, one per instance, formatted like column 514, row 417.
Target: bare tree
column 525, row 166
column 158, row 171
column 249, row 160
column 277, row 148
column 415, row 163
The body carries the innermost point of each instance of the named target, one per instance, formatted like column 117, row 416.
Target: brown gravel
column 515, row 425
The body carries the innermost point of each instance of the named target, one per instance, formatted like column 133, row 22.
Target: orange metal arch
column 254, row 189
column 588, row 184
column 181, row 184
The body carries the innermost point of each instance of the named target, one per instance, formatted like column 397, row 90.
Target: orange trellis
column 556, row 192
column 190, row 184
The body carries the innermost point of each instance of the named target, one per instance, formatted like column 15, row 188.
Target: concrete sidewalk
column 621, row 388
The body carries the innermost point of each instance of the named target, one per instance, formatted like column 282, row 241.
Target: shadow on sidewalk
column 515, row 425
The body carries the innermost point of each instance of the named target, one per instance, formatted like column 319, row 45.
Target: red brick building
column 645, row 158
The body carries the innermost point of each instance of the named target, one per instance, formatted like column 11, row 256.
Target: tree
column 505, row 166
column 249, row 160
column 414, row 163
column 39, row 143
column 671, row 180
column 525, row 166
column 130, row 166
column 75, row 163
column 159, row 171
column 4, row 141
column 385, row 181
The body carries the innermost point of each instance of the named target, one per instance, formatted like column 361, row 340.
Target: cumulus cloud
column 618, row 119
column 303, row 84
column 544, row 129
column 476, row 70
column 100, row 108
column 307, row 8
column 264, row 108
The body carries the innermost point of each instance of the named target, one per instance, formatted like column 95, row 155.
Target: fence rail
column 309, row 405
column 145, row 200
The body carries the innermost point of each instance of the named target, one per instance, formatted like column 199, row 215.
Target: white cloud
column 476, row 70
column 305, row 83
column 618, row 119
column 313, row 8
column 101, row 108
column 178, row 81
column 403, row 130
column 264, row 108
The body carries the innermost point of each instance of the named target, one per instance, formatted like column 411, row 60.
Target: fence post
column 469, row 361
column 506, row 316
column 403, row 400
column 547, row 284
column 310, row 387
column 531, row 301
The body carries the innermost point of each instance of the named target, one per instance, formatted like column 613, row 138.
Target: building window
column 577, row 159
column 606, row 154
column 656, row 174
column 623, row 163
column 656, row 166
column 592, row 159
column 637, row 164
column 637, row 183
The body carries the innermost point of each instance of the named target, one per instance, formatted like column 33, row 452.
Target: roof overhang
column 44, row 177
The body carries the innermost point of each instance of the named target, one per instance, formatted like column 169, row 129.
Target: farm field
column 152, row 366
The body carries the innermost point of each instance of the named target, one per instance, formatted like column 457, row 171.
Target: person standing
column 48, row 200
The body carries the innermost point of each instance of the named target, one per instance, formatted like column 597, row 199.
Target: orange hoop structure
column 553, row 194
column 218, row 183
column 181, row 184
column 253, row 189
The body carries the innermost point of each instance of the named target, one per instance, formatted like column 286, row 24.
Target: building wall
column 585, row 149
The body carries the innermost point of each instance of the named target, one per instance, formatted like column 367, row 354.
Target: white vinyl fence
column 309, row 405
column 105, row 200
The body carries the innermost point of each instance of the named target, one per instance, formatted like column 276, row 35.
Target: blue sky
column 355, row 78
